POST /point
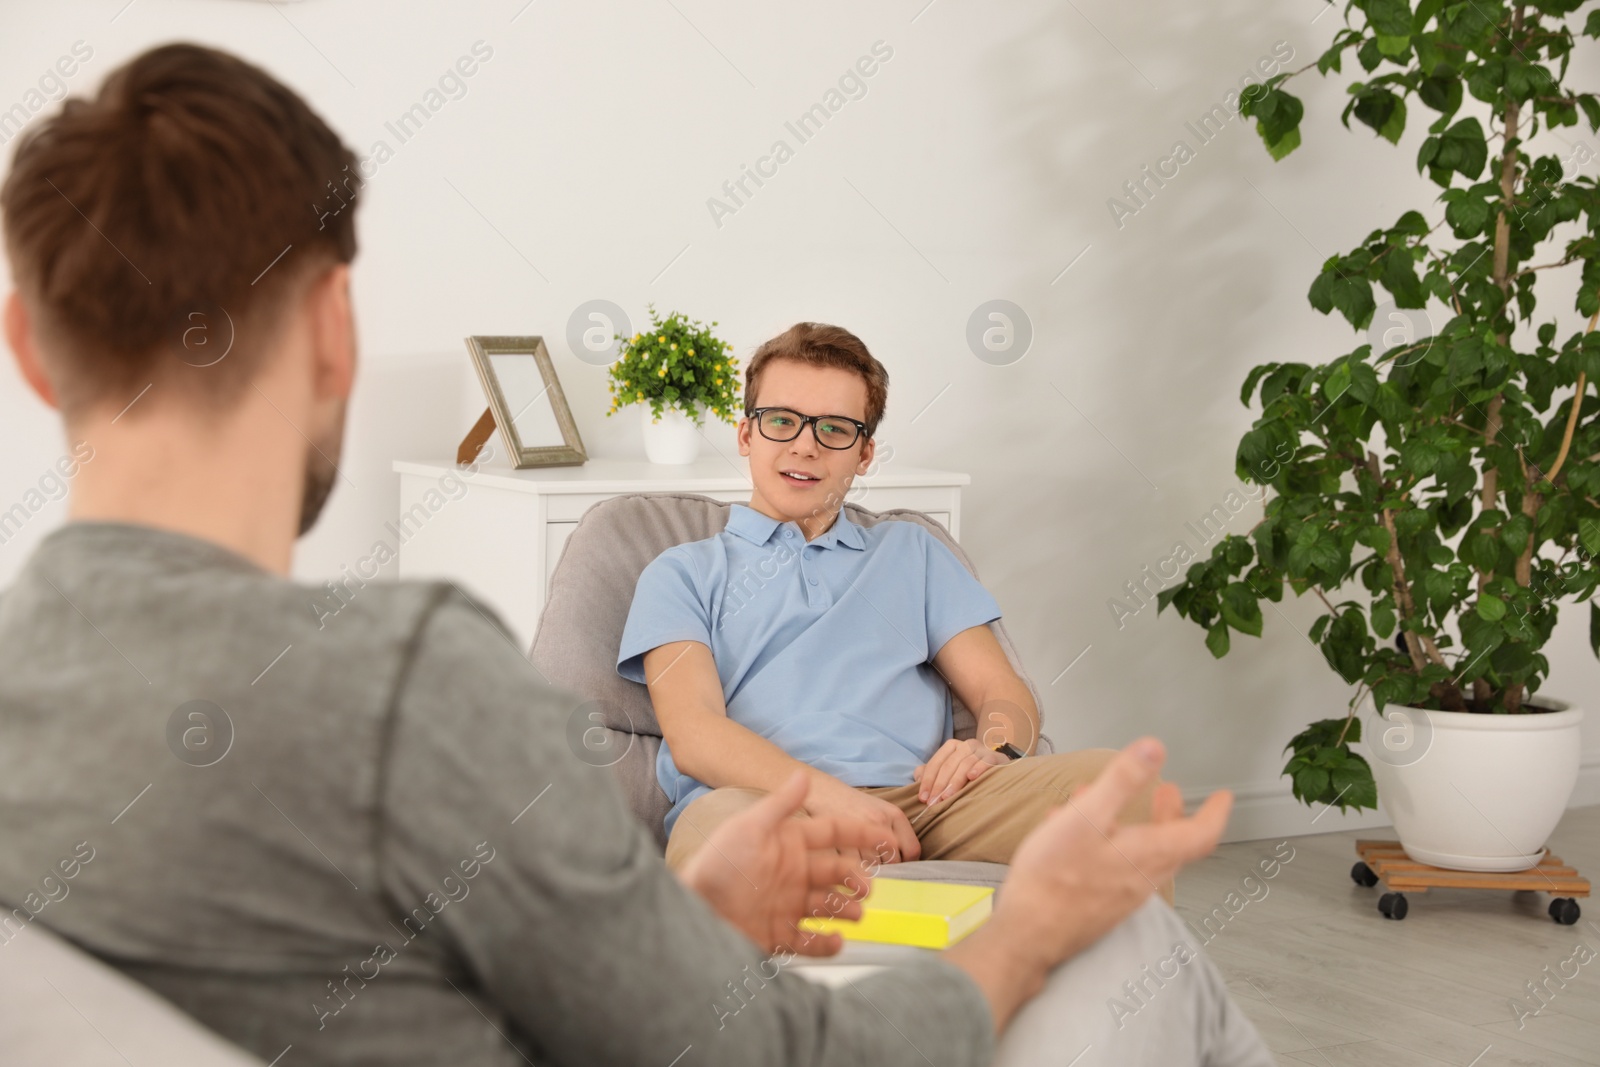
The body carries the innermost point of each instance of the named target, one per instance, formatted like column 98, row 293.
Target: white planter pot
column 674, row 439
column 1474, row 792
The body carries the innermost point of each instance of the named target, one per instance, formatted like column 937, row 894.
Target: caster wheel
column 1393, row 905
column 1362, row 875
column 1564, row 910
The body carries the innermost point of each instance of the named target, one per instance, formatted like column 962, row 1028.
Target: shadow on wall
column 1130, row 400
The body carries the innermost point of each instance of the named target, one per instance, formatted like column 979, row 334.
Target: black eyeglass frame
column 861, row 427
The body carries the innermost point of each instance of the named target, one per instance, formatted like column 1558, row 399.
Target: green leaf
column 1400, row 278
column 1217, row 639
column 1353, row 785
column 1250, row 382
column 1393, row 46
column 1318, row 627
column 1439, row 586
column 1589, row 536
column 1490, row 607
column 1311, row 784
column 1369, row 55
column 1241, row 610
column 1390, row 18
column 1363, row 381
column 1383, row 619
column 1352, row 295
column 1284, row 145
column 1442, row 93
column 1408, row 522
column 1336, row 384
column 1382, row 110
column 1516, row 530
column 1467, row 215
column 1266, row 544
column 1375, row 538
column 1481, row 550
column 1591, row 107
column 1462, row 148
column 1278, row 115
column 1418, row 456
column 1479, row 634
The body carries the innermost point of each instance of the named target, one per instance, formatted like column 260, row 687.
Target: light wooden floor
column 1330, row 981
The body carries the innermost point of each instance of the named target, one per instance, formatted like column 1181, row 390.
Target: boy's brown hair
column 821, row 345
column 192, row 181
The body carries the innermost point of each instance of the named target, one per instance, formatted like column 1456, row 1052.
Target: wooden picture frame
column 529, row 408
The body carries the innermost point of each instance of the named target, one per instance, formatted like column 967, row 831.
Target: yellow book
column 901, row 911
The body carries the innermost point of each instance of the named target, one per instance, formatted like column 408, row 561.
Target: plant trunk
column 1502, row 278
column 1416, row 643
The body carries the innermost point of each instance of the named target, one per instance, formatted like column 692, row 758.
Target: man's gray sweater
column 360, row 833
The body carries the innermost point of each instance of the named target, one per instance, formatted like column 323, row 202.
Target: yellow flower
column 691, row 351
column 660, row 338
column 636, row 337
column 674, row 346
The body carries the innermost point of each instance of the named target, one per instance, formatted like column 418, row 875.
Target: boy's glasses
column 831, row 431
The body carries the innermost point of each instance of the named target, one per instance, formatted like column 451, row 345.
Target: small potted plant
column 681, row 370
column 1438, row 493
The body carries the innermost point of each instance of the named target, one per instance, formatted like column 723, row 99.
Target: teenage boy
column 799, row 641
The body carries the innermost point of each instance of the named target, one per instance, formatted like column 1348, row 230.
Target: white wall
column 977, row 166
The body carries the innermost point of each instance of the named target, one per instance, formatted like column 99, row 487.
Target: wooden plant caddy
column 1400, row 873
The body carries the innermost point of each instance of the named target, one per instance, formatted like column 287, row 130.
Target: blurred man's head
column 176, row 241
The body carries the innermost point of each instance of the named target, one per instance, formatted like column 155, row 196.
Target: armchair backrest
column 591, row 590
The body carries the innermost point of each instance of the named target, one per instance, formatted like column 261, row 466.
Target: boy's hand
column 952, row 766
column 763, row 871
column 897, row 840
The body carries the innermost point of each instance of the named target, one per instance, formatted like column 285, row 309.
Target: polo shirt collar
column 757, row 528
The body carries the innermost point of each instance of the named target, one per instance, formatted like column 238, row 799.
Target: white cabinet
column 498, row 533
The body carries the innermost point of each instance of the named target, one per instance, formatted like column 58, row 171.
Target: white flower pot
column 1474, row 792
column 674, row 439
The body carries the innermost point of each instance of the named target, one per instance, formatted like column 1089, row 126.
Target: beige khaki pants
column 986, row 821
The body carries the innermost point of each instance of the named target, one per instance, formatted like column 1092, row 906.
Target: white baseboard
column 1269, row 809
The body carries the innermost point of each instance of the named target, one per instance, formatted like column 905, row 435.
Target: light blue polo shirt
column 824, row 648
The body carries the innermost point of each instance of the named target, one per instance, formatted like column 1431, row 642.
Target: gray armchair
column 64, row 1006
column 580, row 631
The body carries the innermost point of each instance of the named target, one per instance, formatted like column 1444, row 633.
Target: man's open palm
column 764, row 871
column 1080, row 872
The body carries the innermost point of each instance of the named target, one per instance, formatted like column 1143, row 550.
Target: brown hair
column 821, row 345
column 193, row 181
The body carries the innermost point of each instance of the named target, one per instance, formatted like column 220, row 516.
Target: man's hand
column 1078, row 853
column 952, row 766
column 764, row 871
column 1078, row 874
column 836, row 800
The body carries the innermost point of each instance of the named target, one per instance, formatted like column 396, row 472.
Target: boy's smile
column 806, row 390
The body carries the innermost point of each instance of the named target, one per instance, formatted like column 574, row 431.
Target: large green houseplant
column 1440, row 496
